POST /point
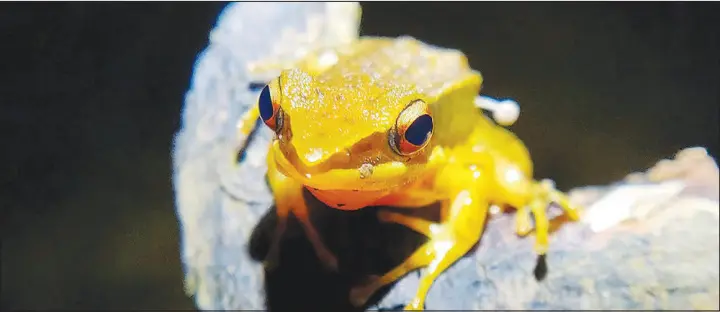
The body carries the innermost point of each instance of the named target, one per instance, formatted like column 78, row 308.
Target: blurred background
column 91, row 96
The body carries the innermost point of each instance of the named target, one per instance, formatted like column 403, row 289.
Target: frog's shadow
column 363, row 245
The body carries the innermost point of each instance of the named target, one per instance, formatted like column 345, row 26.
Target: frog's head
column 351, row 133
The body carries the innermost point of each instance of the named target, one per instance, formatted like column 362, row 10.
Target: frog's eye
column 268, row 108
column 413, row 129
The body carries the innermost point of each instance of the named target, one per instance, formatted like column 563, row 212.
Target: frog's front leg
column 527, row 195
column 288, row 195
column 247, row 121
column 448, row 241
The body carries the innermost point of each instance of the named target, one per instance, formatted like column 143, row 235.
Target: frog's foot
column 414, row 306
column 359, row 295
column 423, row 256
column 543, row 194
column 448, row 242
column 326, row 257
column 272, row 258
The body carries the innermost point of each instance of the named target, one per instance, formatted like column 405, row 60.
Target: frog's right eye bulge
column 268, row 109
column 413, row 129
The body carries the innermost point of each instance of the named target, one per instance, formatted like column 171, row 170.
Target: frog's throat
column 383, row 177
column 348, row 199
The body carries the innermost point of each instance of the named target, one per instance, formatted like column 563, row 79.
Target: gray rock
column 659, row 252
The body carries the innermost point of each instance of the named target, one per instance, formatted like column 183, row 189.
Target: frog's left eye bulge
column 413, row 129
column 268, row 109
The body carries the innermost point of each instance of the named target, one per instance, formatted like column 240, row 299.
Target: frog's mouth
column 367, row 177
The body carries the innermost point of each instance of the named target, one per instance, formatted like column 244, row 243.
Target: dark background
column 91, row 95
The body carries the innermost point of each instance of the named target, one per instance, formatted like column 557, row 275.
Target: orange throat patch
column 348, row 199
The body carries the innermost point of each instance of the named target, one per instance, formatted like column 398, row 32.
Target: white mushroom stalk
column 504, row 112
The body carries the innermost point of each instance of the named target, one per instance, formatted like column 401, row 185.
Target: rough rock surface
column 649, row 242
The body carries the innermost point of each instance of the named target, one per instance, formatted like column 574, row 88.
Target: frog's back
column 404, row 60
column 440, row 74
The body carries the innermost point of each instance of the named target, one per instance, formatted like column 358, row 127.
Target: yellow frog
column 395, row 121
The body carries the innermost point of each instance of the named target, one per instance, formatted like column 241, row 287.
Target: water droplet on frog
column 314, row 155
column 366, row 170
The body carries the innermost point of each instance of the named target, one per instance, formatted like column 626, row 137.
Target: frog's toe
column 272, row 258
column 359, row 295
column 523, row 222
column 571, row 210
column 538, row 208
column 270, row 264
column 561, row 199
column 415, row 305
column 329, row 261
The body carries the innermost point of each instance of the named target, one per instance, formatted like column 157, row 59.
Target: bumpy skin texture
column 668, row 259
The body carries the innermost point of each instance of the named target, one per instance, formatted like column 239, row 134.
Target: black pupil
column 265, row 104
column 418, row 131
